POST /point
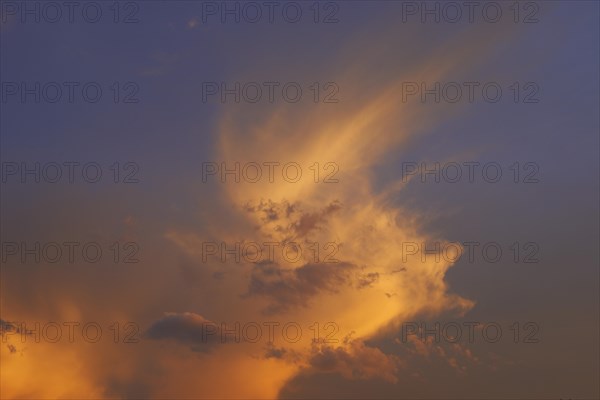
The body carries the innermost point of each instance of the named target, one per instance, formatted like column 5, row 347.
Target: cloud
column 428, row 352
column 289, row 221
column 274, row 352
column 6, row 326
column 355, row 361
column 364, row 292
column 367, row 280
column 289, row 288
column 186, row 328
column 8, row 329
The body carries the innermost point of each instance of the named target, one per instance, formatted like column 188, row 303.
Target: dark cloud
column 10, row 328
column 291, row 220
column 367, row 280
column 386, row 368
column 355, row 360
column 186, row 328
column 288, row 288
column 6, row 327
column 288, row 355
column 274, row 352
column 312, row 221
column 271, row 210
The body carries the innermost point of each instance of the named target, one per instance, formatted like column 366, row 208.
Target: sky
column 310, row 199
